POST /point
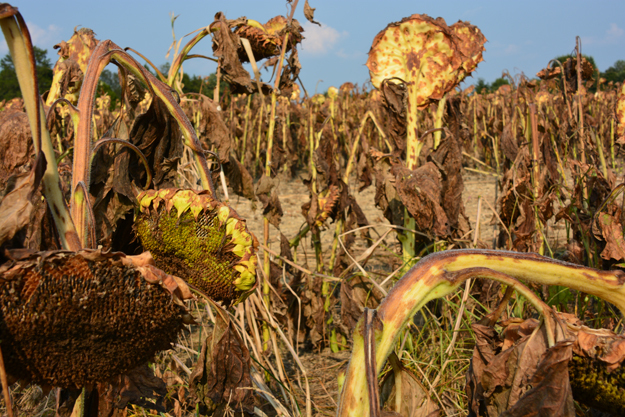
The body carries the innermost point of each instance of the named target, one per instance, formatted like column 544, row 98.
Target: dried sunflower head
column 199, row 239
column 426, row 53
column 266, row 40
column 73, row 319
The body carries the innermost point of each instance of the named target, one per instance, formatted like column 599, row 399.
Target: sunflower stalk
column 104, row 52
column 440, row 274
column 20, row 46
column 268, row 163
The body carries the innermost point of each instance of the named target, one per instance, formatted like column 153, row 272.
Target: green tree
column 9, row 86
column 498, row 83
column 192, row 84
column 482, row 87
column 563, row 58
column 109, row 84
column 616, row 72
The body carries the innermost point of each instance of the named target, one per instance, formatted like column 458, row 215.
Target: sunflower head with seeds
column 195, row 237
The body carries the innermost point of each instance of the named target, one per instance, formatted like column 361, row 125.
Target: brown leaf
column 448, row 158
column 486, row 340
column 118, row 174
column 499, row 375
column 415, row 401
column 225, row 49
column 239, row 178
column 509, row 142
column 309, row 12
column 211, row 129
column 16, row 144
column 356, row 294
column 612, row 232
column 138, row 387
column 386, row 196
column 420, row 191
column 222, row 373
column 551, row 394
column 17, row 205
column 267, row 193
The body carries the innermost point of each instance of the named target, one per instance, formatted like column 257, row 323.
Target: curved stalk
column 104, row 52
column 21, row 49
column 123, row 142
column 441, row 273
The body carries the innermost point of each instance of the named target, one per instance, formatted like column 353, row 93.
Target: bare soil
column 293, row 193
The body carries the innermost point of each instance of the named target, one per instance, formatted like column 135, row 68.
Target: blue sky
column 522, row 36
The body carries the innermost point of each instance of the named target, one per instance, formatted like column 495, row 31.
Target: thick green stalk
column 413, row 150
column 268, row 161
column 441, row 273
column 438, row 120
column 266, row 260
column 247, row 121
column 260, row 133
column 536, row 185
column 599, row 145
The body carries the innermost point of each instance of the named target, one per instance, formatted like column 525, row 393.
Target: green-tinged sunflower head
column 195, row 237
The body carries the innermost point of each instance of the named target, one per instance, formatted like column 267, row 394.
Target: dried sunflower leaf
column 222, row 373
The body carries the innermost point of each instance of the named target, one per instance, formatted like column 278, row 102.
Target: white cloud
column 511, row 49
column 319, row 40
column 44, row 38
column 341, row 53
column 614, row 34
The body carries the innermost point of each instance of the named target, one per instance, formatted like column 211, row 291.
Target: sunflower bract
column 199, row 239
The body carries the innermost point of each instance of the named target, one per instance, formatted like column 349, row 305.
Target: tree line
column 616, row 74
column 109, row 82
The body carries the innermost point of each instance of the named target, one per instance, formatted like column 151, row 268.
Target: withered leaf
column 211, row 129
column 356, row 294
column 612, row 232
column 225, row 47
column 420, row 191
column 415, row 401
column 16, row 144
column 17, row 204
column 551, row 394
column 222, row 373
column 448, row 158
column 501, row 374
column 309, row 12
column 268, row 195
column 239, row 178
column 138, row 387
